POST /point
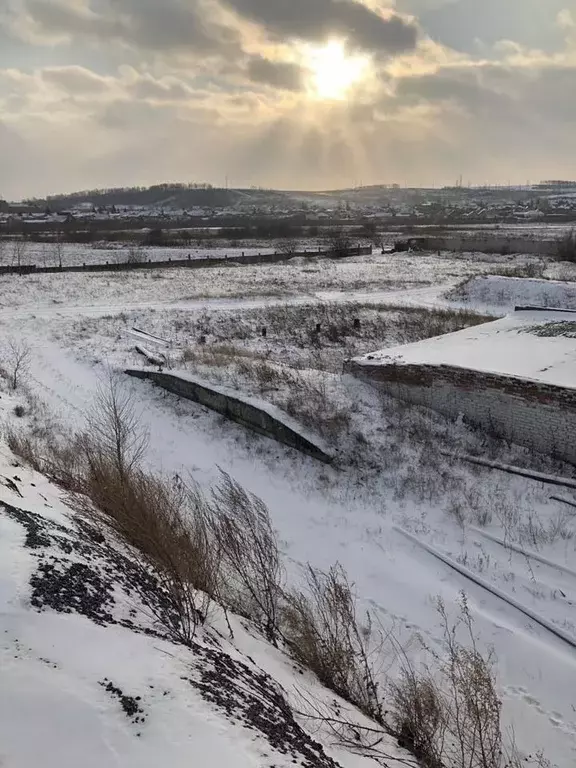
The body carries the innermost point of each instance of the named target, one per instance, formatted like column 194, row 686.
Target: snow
column 298, row 277
column 322, row 515
column 55, row 708
column 506, row 347
column 508, row 292
column 256, row 402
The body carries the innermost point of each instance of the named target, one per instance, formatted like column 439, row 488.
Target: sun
column 333, row 71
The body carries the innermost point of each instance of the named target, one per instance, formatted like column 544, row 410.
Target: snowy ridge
column 255, row 402
column 87, row 667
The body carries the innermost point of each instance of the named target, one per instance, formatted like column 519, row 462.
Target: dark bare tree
column 17, row 357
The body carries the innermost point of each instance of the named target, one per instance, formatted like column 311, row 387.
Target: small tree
column 17, row 359
column 115, row 428
column 58, row 248
column 136, row 254
column 287, row 246
column 19, row 248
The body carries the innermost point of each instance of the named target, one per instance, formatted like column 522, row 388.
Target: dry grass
column 451, row 716
column 327, row 325
column 252, row 574
column 322, row 630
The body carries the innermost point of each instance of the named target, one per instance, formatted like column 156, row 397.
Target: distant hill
column 168, row 196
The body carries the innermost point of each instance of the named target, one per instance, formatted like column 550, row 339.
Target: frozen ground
column 347, row 513
column 299, row 276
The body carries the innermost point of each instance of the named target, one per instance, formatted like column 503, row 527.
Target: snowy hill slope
column 89, row 676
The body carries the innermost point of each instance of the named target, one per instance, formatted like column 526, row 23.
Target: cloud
column 106, row 92
column 283, row 75
column 76, row 80
column 315, row 20
column 170, row 25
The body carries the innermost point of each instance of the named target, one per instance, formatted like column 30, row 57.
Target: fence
column 188, row 263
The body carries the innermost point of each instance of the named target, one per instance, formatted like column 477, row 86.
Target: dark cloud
column 281, row 75
column 316, row 19
column 170, row 25
column 460, row 86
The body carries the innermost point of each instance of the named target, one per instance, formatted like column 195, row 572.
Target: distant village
column 546, row 201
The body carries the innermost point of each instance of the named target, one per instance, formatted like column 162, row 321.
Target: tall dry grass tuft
column 162, row 522
column 251, row 568
column 451, row 716
column 321, row 628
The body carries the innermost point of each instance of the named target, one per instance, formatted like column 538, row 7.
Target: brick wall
column 539, row 416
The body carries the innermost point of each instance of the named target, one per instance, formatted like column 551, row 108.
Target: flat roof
column 526, row 344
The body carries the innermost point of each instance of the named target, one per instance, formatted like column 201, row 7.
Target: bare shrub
column 419, row 718
column 16, row 361
column 19, row 250
column 322, row 630
column 288, row 247
column 135, row 254
column 451, row 717
column 566, row 247
column 26, row 448
column 309, row 402
column 252, row 571
column 57, row 248
column 114, row 428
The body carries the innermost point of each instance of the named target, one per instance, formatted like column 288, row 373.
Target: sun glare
column 333, row 72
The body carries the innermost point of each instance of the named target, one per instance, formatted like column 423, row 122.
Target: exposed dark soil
column 79, row 571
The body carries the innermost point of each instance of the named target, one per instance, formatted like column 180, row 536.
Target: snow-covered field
column 69, row 254
column 353, row 512
column 299, row 276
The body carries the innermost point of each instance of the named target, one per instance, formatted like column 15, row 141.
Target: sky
column 289, row 94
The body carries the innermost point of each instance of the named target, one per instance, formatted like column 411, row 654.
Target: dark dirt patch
column 131, row 705
column 79, row 572
column 250, row 697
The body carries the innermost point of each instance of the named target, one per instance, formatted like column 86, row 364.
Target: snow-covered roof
column 512, row 346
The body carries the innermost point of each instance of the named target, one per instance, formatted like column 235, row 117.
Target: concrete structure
column 514, row 378
column 485, row 243
column 263, row 418
column 539, row 416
